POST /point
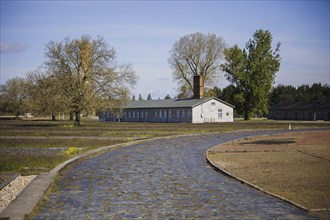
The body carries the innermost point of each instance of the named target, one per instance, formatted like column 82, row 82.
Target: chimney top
column 198, row 86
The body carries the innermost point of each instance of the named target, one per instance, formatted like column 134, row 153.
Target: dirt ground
column 295, row 166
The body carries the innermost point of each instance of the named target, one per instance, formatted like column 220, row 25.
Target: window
column 165, row 114
column 146, row 113
column 178, row 113
column 183, row 113
column 137, row 114
column 219, row 113
column 141, row 113
column 189, row 113
column 129, row 114
column 160, row 113
column 170, row 113
column 227, row 114
column 213, row 103
column 133, row 114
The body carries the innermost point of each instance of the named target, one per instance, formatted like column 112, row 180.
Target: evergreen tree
column 168, row 97
column 282, row 93
column 303, row 93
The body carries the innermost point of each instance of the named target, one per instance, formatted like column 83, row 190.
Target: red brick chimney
column 198, row 86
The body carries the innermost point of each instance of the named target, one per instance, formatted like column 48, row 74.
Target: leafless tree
column 196, row 54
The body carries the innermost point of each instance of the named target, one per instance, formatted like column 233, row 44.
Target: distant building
column 195, row 110
column 304, row 111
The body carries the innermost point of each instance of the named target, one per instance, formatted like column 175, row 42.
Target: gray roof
column 301, row 105
column 171, row 103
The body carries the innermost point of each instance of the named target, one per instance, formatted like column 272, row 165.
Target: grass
column 39, row 134
column 27, row 165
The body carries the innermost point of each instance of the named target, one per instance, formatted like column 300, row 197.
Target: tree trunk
column 77, row 119
column 53, row 117
column 247, row 114
column 71, row 116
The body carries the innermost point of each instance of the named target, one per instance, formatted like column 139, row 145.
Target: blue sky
column 143, row 32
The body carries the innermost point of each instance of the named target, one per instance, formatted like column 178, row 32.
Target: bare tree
column 196, row 54
column 89, row 74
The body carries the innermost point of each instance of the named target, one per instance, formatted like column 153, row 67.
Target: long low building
column 305, row 111
column 193, row 110
column 174, row 110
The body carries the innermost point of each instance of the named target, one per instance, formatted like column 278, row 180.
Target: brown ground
column 295, row 166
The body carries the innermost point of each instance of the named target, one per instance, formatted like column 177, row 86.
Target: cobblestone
column 160, row 179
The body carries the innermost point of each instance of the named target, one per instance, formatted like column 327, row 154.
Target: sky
column 143, row 33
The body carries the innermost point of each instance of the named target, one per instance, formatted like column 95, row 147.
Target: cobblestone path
column 160, row 179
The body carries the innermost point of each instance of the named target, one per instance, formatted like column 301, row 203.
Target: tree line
column 277, row 94
column 81, row 76
column 302, row 93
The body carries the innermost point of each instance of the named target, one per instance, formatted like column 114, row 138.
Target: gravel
column 13, row 189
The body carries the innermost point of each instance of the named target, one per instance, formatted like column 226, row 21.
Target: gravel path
column 13, row 189
column 160, row 179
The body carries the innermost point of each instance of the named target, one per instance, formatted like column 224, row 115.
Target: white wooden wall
column 209, row 112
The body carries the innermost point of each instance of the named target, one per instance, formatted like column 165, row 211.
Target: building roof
column 171, row 103
column 301, row 105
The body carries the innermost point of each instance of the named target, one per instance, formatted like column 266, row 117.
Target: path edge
column 27, row 201
column 227, row 173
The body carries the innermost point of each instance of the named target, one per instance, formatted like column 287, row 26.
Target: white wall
column 208, row 112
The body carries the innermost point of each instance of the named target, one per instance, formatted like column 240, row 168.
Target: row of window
column 161, row 113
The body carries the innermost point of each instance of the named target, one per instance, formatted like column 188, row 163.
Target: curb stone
column 28, row 199
column 227, row 173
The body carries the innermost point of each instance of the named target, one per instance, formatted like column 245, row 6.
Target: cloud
column 12, row 48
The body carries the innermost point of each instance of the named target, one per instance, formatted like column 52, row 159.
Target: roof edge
column 205, row 99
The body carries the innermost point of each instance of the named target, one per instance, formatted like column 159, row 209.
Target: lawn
column 33, row 146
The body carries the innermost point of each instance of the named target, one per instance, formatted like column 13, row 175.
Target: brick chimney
column 198, row 86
